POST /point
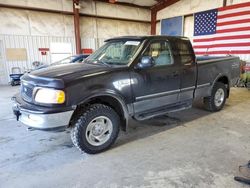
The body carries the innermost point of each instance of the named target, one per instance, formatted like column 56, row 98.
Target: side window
column 160, row 51
column 185, row 50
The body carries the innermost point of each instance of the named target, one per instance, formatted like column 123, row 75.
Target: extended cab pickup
column 128, row 77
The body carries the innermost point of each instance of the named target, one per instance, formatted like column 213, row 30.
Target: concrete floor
column 193, row 148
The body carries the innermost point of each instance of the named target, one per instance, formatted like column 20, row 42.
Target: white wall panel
column 232, row 2
column 68, row 26
column 14, row 22
column 87, row 27
column 189, row 27
column 107, row 28
column 3, row 72
column 111, row 10
column 67, row 5
column 18, row 22
column 144, row 29
column 46, row 4
column 34, row 29
column 31, row 43
column 14, row 2
column 91, row 43
column 87, row 7
column 158, row 28
column 185, row 7
column 46, row 24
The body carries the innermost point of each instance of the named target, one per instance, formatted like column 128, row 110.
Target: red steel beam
column 163, row 4
column 157, row 7
column 224, row 3
column 153, row 22
column 124, row 4
column 77, row 26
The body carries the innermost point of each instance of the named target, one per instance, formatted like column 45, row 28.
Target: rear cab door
column 183, row 50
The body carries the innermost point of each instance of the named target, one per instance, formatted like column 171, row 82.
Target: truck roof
column 146, row 37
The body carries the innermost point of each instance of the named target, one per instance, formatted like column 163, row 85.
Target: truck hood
column 59, row 76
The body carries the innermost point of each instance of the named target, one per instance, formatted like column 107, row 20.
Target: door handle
column 175, row 74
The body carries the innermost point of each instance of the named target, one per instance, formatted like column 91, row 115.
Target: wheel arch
column 107, row 98
column 225, row 80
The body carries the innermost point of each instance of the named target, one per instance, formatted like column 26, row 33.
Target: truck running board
column 164, row 110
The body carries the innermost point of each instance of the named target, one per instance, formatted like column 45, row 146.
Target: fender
column 217, row 78
column 127, row 109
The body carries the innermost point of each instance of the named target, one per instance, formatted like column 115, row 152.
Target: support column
column 153, row 22
column 77, row 25
column 224, row 3
column 157, row 7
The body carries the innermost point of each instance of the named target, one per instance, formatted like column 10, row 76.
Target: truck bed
column 201, row 59
column 211, row 67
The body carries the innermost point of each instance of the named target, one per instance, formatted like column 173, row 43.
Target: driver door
column 157, row 86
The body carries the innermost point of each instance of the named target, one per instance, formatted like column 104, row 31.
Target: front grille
column 27, row 91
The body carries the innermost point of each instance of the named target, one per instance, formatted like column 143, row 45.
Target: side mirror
column 146, row 62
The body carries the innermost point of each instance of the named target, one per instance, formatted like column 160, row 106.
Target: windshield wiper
column 97, row 61
column 103, row 62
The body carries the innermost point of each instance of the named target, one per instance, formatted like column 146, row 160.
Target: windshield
column 115, row 53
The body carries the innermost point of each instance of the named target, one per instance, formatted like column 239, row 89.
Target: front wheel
column 96, row 129
column 217, row 99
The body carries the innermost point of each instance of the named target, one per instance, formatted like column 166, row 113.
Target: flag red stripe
column 233, row 14
column 234, row 6
column 233, row 30
column 223, row 45
column 224, row 52
column 230, row 28
column 233, row 22
column 222, row 38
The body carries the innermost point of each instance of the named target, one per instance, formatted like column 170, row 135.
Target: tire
column 214, row 104
column 88, row 133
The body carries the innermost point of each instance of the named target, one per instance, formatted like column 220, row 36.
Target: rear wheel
column 96, row 129
column 217, row 99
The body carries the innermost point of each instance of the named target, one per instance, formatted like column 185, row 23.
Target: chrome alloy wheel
column 99, row 130
column 219, row 97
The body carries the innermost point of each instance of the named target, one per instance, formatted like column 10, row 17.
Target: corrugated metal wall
column 93, row 43
column 32, row 44
column 3, row 72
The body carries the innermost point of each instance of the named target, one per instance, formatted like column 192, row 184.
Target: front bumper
column 40, row 120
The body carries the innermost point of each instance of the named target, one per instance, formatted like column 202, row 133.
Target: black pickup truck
column 128, row 77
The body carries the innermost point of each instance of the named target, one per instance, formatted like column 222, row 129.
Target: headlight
column 50, row 96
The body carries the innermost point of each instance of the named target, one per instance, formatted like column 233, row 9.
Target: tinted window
column 185, row 51
column 160, row 51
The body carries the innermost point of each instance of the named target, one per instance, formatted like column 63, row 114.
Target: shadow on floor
column 139, row 130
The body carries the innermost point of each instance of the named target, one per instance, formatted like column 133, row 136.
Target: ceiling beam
column 124, row 4
column 35, row 9
column 157, row 7
column 163, row 4
column 69, row 13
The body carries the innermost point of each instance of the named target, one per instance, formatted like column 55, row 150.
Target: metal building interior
column 176, row 144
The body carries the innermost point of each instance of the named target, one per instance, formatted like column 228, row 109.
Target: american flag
column 223, row 31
